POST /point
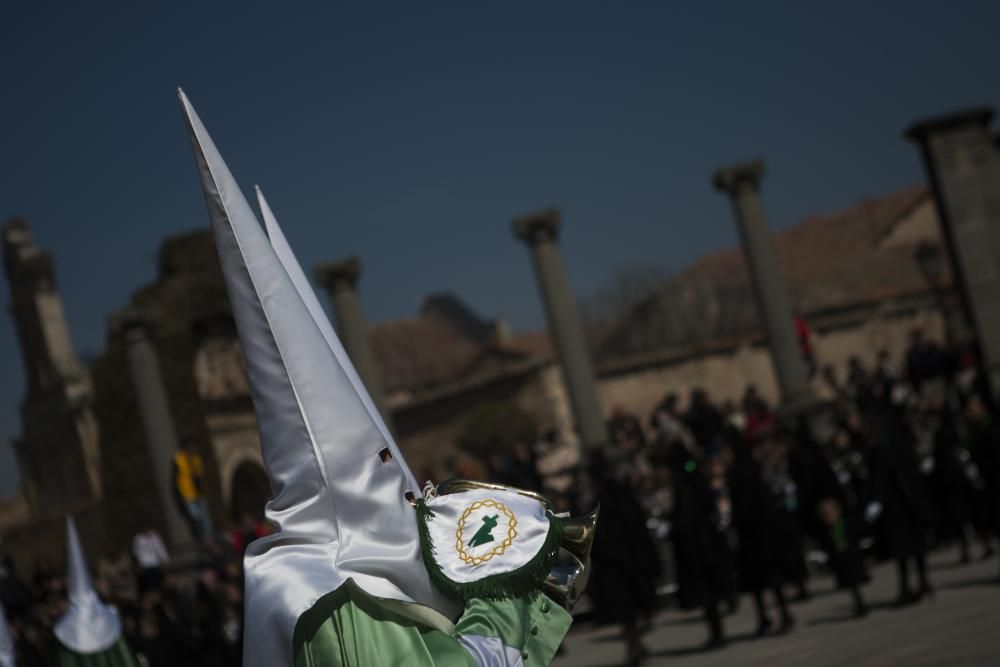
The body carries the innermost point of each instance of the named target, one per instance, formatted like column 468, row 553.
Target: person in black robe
column 34, row 646
column 838, row 500
column 953, row 481
column 899, row 497
column 624, row 426
column 802, row 473
column 210, row 617
column 925, row 360
column 517, row 467
column 701, row 519
column 762, row 522
column 703, row 419
column 847, row 454
column 984, row 444
column 15, row 596
column 840, row 540
column 624, row 560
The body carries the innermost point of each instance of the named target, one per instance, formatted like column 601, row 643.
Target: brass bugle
column 564, row 584
column 460, row 485
column 578, row 535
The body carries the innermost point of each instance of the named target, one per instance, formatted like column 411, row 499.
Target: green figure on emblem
column 484, row 534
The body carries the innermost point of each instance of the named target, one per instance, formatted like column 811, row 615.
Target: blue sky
column 410, row 133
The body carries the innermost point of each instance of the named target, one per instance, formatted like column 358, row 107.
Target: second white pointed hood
column 305, row 290
column 341, row 510
column 89, row 625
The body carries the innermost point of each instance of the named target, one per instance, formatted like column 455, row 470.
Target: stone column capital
column 538, row 227
column 340, row 279
column 739, row 177
column 131, row 322
column 921, row 130
column 344, row 272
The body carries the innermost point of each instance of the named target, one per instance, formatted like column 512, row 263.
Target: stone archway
column 249, row 491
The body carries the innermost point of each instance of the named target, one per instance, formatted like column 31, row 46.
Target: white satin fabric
column 89, row 625
column 341, row 511
column 305, row 290
column 491, row 652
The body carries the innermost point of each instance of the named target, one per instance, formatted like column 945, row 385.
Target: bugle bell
column 568, row 579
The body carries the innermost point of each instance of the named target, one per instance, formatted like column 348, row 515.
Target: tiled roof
column 424, row 352
column 417, row 353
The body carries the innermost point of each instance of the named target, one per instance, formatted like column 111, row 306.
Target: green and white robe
column 349, row 628
column 342, row 580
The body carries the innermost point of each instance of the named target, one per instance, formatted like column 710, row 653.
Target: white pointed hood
column 298, row 278
column 6, row 642
column 89, row 625
column 342, row 513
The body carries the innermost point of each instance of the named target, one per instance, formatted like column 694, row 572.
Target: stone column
column 158, row 424
column 341, row 282
column 540, row 231
column 963, row 166
column 742, row 183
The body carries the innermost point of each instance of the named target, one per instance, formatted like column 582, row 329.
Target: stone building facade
column 57, row 453
column 853, row 277
column 852, row 274
column 188, row 321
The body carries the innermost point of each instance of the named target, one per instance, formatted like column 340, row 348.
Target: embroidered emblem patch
column 487, row 543
column 486, row 529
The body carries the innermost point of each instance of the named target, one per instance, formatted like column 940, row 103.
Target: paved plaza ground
column 960, row 626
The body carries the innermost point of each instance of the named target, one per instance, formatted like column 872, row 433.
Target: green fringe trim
column 523, row 581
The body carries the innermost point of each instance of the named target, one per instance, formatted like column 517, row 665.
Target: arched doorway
column 250, row 491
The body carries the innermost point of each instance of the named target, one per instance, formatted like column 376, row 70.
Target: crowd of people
column 716, row 500
column 898, row 462
column 721, row 499
column 191, row 616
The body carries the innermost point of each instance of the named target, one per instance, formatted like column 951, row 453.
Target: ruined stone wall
column 428, row 432
column 723, row 374
column 57, row 451
column 726, row 373
column 235, row 442
column 889, row 331
column 129, row 499
column 184, row 307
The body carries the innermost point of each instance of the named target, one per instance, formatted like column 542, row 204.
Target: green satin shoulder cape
column 116, row 656
column 349, row 628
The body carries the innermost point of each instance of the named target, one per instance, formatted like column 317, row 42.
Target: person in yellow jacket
column 189, row 475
